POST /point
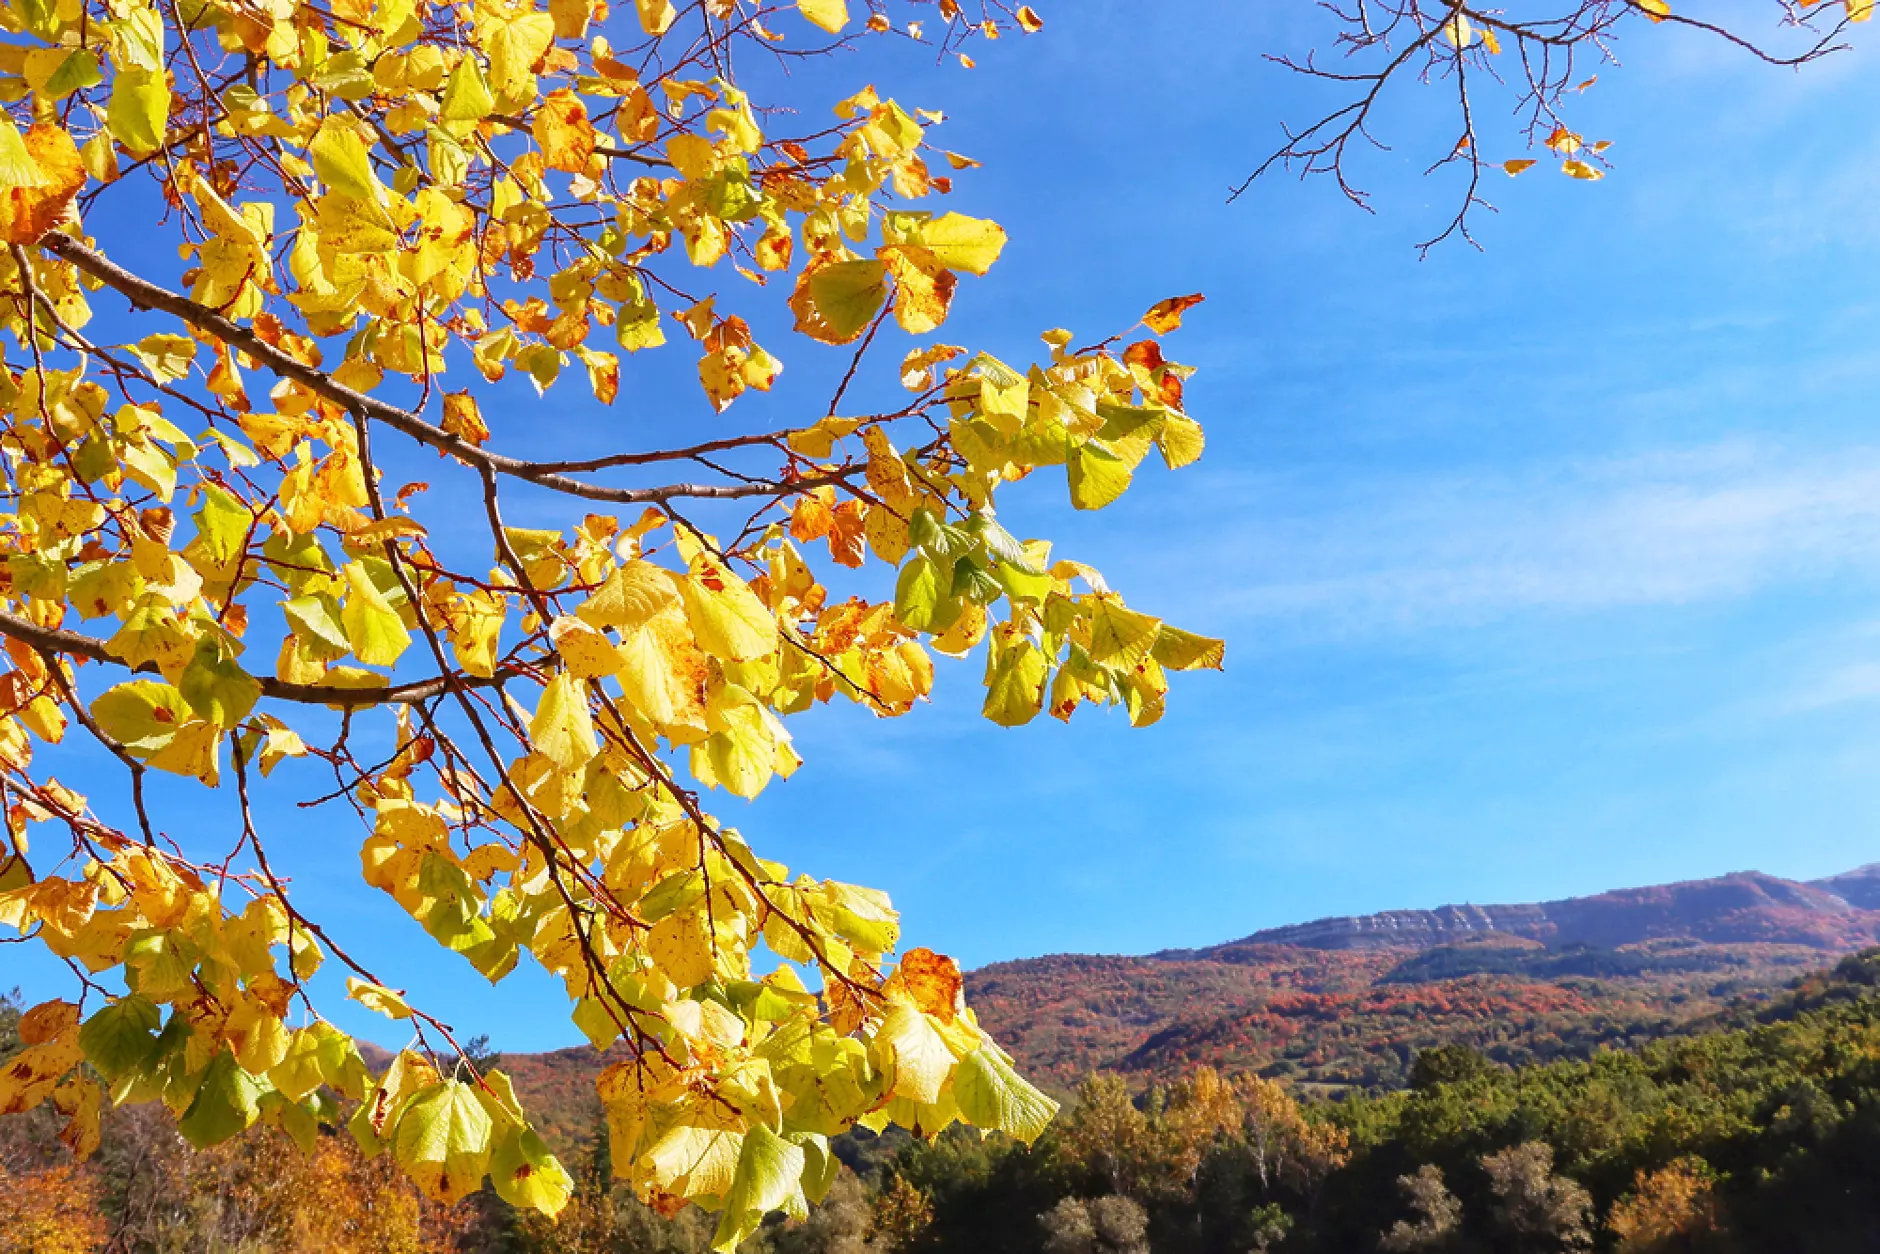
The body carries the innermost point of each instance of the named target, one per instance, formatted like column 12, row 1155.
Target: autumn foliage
column 215, row 570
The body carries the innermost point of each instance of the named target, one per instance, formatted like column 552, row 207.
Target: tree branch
column 72, row 644
column 142, row 292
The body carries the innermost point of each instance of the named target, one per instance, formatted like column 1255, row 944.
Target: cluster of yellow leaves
column 393, row 188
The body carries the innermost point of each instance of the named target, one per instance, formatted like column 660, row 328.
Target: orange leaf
column 29, row 209
column 1166, row 315
column 930, row 981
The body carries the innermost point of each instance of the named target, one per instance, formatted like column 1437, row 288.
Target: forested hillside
column 1345, row 1018
column 1759, row 1134
column 1487, row 1093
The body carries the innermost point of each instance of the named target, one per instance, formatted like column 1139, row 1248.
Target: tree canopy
column 210, row 574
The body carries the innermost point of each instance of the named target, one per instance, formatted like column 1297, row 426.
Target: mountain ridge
column 1347, row 1000
column 1742, row 907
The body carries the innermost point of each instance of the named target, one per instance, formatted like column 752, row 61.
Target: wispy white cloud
column 1395, row 552
column 1858, row 683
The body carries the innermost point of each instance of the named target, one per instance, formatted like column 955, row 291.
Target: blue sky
column 1544, row 570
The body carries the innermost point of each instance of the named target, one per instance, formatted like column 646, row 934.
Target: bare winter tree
column 1523, row 62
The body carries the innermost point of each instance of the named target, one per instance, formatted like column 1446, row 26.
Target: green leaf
column 141, row 715
column 225, row 1104
column 342, row 161
column 299, row 1122
column 222, row 524
column 122, row 1037
column 315, row 619
column 443, row 1141
column 78, row 71
column 672, row 894
column 918, row 592
column 138, row 42
column 466, row 97
column 1097, row 476
column 821, row 1166
column 160, row 964
column 373, row 627
column 526, row 1175
column 638, row 326
column 847, row 296
column 138, row 116
column 454, row 919
column 216, row 688
column 992, row 1095
column 768, row 1177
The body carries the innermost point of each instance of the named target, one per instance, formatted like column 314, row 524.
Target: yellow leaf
column 1564, row 141
column 726, row 616
column 28, row 1077
column 377, row 997
column 1121, row 637
column 463, row 419
column 1580, row 170
column 342, row 161
column 564, row 132
column 656, row 16
column 1517, row 166
column 831, row 15
column 917, row 1053
column 562, row 728
column 634, row 594
column 962, row 243
column 587, row 652
column 139, row 113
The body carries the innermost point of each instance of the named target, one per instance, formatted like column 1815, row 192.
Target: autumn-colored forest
column 1754, row 1129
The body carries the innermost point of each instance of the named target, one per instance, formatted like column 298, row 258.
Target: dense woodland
column 1759, row 1132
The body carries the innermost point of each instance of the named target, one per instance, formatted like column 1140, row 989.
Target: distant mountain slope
column 1860, row 888
column 1837, row 914
column 1348, row 1001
